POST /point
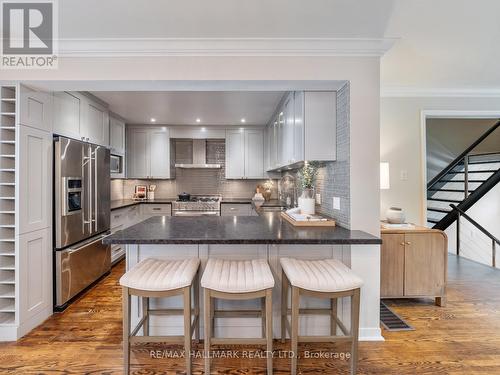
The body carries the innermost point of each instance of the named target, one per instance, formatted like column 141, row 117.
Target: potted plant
column 307, row 179
column 268, row 186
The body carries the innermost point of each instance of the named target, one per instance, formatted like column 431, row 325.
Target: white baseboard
column 370, row 334
column 8, row 333
column 34, row 321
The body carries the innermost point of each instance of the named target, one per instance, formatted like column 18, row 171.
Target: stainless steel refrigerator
column 81, row 216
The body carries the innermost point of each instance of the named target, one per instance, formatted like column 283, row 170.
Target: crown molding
column 158, row 47
column 415, row 92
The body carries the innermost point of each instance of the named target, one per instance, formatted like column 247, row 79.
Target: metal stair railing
column 494, row 240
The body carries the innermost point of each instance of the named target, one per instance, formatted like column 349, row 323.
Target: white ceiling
column 443, row 44
column 183, row 108
column 222, row 18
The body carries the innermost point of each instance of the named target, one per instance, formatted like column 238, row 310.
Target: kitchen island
column 266, row 236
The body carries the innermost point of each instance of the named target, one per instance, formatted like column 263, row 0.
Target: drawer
column 236, row 209
column 117, row 251
column 118, row 218
column 164, row 209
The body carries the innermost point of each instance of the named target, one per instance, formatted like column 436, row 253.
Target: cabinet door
column 235, row 154
column 67, row 115
column 288, row 132
column 392, row 265
column 137, row 153
column 298, row 126
column 96, row 127
column 159, row 153
column 320, row 125
column 424, row 264
column 35, row 277
column 236, row 209
column 254, row 153
column 117, row 135
column 35, row 182
column 36, row 109
column 279, row 139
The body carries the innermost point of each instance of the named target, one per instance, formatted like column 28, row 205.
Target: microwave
column 116, row 166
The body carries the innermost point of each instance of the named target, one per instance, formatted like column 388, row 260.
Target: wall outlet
column 336, row 203
column 403, row 175
column 318, row 198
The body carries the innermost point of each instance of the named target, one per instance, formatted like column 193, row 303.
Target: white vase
column 306, row 205
column 395, row 215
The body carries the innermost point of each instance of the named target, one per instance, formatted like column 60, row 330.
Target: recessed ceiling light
column 153, row 119
column 243, row 120
column 198, row 120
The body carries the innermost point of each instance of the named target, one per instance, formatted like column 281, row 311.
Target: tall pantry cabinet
column 26, row 209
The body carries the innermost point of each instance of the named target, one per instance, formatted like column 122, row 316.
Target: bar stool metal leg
column 207, row 329
column 145, row 313
column 126, row 330
column 354, row 330
column 196, row 292
column 333, row 316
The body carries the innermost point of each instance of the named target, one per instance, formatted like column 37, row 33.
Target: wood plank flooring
column 462, row 338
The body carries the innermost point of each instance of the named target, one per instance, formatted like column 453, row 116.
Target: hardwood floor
column 462, row 338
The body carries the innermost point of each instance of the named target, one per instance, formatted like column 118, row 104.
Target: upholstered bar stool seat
column 153, row 274
column 328, row 275
column 237, row 280
column 161, row 278
column 329, row 279
column 237, row 276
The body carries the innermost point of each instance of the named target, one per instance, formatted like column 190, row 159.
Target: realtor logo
column 29, row 34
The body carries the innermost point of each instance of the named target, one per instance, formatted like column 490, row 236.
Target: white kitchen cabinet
column 116, row 135
column 96, row 125
column 304, row 129
column 35, row 278
column 298, row 126
column 159, row 150
column 254, row 153
column 68, row 115
column 235, row 154
column 155, row 209
column 236, row 209
column 148, row 153
column 36, row 109
column 35, row 179
column 245, row 154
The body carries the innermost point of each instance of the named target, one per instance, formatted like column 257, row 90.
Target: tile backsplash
column 194, row 181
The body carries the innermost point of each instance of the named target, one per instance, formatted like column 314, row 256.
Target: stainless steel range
column 197, row 205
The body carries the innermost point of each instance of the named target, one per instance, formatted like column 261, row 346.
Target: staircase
column 462, row 183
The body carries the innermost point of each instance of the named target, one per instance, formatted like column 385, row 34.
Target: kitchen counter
column 267, row 228
column 121, row 203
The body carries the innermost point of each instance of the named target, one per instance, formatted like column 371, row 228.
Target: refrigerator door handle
column 87, row 160
column 95, row 189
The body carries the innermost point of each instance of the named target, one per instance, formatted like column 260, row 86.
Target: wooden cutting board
column 324, row 223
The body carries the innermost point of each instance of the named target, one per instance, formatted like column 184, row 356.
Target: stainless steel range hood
column 199, row 157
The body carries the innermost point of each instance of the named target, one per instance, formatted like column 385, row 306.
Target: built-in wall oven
column 116, row 166
column 81, row 216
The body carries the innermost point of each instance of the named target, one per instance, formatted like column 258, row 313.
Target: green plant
column 307, row 175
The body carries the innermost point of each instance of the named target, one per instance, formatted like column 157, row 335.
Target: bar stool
column 330, row 279
column 238, row 280
column 159, row 278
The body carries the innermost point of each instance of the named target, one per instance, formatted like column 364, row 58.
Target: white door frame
column 427, row 114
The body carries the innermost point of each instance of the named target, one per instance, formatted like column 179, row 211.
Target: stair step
column 452, row 190
column 432, row 221
column 462, row 181
column 444, row 200
column 442, row 210
column 462, row 172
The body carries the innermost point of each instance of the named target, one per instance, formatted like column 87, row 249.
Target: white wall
column 159, row 73
column 474, row 244
column 401, row 145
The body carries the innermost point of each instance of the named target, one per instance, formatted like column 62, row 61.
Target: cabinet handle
column 156, row 209
column 408, row 243
column 402, row 243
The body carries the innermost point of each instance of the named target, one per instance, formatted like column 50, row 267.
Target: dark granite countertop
column 269, row 203
column 268, row 228
column 121, row 203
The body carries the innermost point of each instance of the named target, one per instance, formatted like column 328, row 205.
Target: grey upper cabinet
column 304, row 128
column 116, row 135
column 245, row 154
column 148, row 153
column 36, row 109
column 67, row 115
column 77, row 116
